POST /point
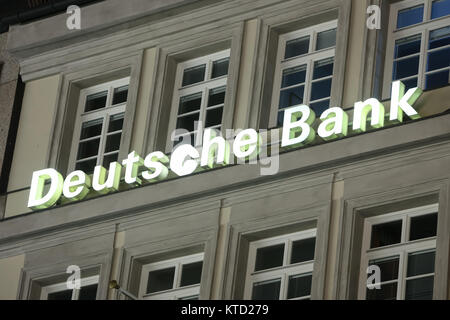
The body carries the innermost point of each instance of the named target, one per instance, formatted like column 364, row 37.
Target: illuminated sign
column 297, row 131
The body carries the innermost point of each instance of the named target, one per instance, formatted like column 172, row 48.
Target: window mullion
column 103, row 139
column 421, row 81
column 309, row 73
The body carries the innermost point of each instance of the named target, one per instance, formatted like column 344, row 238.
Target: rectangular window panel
column 437, row 80
column 160, row 280
column 187, row 122
column 388, row 268
column 326, row 39
column 438, row 59
column 386, row 234
column 410, row 16
column 110, row 158
column 423, row 227
column 408, row 46
column 120, row 95
column 410, row 83
column 303, row 250
column 190, row 103
column 91, row 129
column 299, row 286
column 297, row 47
column 191, row 274
column 406, row 68
column 323, row 68
column 269, row 257
column 61, row 295
column 320, row 89
column 267, row 290
column 419, row 289
column 439, row 38
column 293, row 76
column 116, row 122
column 86, row 166
column 216, row 97
column 320, row 107
column 440, row 8
column 220, row 68
column 420, row 263
column 194, row 75
column 387, row 292
column 291, row 97
column 113, row 142
column 213, row 117
column 96, row 101
column 88, row 149
column 88, row 292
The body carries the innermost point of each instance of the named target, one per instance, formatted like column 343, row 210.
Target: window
column 281, row 268
column 98, row 132
column 88, row 291
column 199, row 96
column 175, row 279
column 418, row 44
column 403, row 246
column 304, row 72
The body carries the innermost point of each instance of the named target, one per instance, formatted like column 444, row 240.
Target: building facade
column 138, row 70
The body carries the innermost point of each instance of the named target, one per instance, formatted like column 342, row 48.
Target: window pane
column 323, row 68
column 190, row 103
column 116, row 122
column 326, row 39
column 110, row 158
column 437, row 80
column 191, row 274
column 269, row 257
column 321, row 89
column 296, row 47
column 61, row 295
column 216, row 96
column 420, row 263
column 291, row 97
column 120, row 95
column 438, row 59
column 440, row 8
column 187, row 122
column 293, row 76
column 388, row 268
column 160, row 280
column 406, row 68
column 299, row 286
column 303, row 250
column 320, row 107
column 419, row 289
column 96, row 101
column 220, row 68
column 113, row 142
column 91, row 129
column 267, row 290
column 410, row 83
column 86, row 166
column 410, row 16
column 386, row 234
column 407, row 46
column 439, row 38
column 423, row 227
column 213, row 117
column 186, row 139
column 387, row 292
column 88, row 292
column 194, row 75
column 88, row 149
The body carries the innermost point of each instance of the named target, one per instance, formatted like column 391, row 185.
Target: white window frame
column 204, row 87
column 401, row 249
column 283, row 272
column 306, row 59
column 176, row 292
column 424, row 28
column 45, row 291
column 104, row 113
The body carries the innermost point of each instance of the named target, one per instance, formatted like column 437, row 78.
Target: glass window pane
column 267, row 290
column 86, row 166
column 61, row 295
column 214, row 117
column 190, row 103
column 191, row 274
column 406, row 68
column 160, row 280
column 439, row 38
column 110, row 158
column 423, row 227
column 120, row 95
column 419, row 289
column 438, row 59
column 420, row 263
column 220, row 68
column 116, row 122
column 269, row 257
column 440, row 8
column 194, row 75
column 296, row 47
column 293, row 76
column 88, row 292
column 187, row 122
column 291, row 97
column 409, row 16
column 407, row 46
column 320, row 107
column 326, row 39
column 96, row 101
column 387, row 292
column 388, row 268
column 323, row 68
column 216, row 96
column 437, row 80
column 91, row 129
column 280, row 118
column 386, row 234
column 303, row 250
column 299, row 286
column 113, row 142
column 88, row 149
column 321, row 89
column 410, row 83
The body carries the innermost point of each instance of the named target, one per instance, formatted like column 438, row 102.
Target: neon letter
column 76, row 186
column 36, row 199
column 403, row 102
column 292, row 125
column 112, row 183
column 361, row 112
column 178, row 162
column 334, row 124
column 214, row 146
column 156, row 169
column 132, row 164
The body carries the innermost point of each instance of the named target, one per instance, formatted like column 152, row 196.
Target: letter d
column 36, row 199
